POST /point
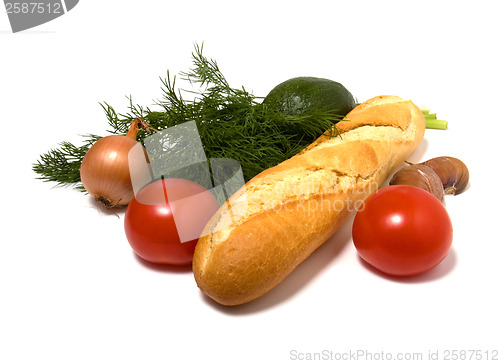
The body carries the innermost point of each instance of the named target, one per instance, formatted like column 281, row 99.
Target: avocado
column 304, row 95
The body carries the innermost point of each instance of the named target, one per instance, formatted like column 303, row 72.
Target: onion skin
column 453, row 173
column 420, row 176
column 105, row 172
column 440, row 176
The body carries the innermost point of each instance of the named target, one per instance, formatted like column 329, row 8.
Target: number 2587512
column 33, row 8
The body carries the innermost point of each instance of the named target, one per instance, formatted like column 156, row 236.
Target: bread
column 267, row 228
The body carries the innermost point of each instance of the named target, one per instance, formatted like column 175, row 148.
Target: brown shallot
column 440, row 176
column 453, row 173
column 420, row 176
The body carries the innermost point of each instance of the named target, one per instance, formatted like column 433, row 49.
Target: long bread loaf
column 282, row 215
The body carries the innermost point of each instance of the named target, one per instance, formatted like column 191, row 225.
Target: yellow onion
column 104, row 171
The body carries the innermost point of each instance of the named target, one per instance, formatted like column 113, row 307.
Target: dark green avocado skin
column 302, row 95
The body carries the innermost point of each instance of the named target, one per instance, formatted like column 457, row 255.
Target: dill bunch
column 232, row 123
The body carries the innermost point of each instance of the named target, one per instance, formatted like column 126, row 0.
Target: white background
column 72, row 291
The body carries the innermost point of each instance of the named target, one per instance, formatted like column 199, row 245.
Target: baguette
column 273, row 223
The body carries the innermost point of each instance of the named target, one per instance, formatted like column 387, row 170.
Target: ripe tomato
column 402, row 230
column 165, row 219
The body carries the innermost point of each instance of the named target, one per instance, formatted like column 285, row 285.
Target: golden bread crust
column 282, row 215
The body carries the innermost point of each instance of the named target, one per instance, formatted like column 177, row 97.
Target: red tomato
column 402, row 230
column 165, row 219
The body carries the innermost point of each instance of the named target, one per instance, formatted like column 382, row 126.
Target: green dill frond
column 62, row 165
column 232, row 123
